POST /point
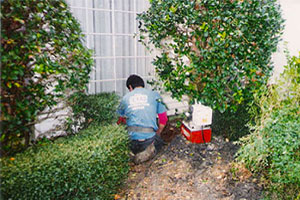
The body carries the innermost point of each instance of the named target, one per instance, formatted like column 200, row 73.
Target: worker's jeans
column 137, row 146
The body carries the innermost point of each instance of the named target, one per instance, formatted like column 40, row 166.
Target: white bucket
column 202, row 115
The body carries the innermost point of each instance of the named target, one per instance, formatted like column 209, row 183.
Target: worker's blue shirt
column 140, row 107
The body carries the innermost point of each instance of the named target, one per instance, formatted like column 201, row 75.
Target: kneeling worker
column 140, row 107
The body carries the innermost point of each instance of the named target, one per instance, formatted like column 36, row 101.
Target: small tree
column 43, row 60
column 217, row 52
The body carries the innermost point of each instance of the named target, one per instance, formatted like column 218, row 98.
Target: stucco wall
column 291, row 13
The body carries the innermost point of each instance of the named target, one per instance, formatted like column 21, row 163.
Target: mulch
column 184, row 170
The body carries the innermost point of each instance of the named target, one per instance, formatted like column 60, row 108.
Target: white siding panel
column 174, row 106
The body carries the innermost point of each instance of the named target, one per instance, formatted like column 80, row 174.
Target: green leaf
column 173, row 9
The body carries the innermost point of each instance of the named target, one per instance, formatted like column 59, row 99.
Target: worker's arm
column 162, row 118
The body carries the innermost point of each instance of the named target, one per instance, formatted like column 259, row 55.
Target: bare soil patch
column 183, row 170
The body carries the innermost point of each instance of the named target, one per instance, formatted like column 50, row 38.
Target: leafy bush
column 217, row 52
column 93, row 108
column 273, row 146
column 43, row 60
column 89, row 165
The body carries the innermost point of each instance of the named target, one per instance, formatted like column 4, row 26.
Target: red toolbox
column 196, row 135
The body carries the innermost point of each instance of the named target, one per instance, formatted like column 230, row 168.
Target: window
column 109, row 27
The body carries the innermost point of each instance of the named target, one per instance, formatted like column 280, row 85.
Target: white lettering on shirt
column 138, row 101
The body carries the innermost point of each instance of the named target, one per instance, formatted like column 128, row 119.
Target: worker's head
column 134, row 81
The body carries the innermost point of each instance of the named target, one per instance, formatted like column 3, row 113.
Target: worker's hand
column 160, row 129
column 122, row 120
column 158, row 133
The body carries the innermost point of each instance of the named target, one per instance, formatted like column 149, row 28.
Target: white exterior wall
column 291, row 13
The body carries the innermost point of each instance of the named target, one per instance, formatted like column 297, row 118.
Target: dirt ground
column 183, row 170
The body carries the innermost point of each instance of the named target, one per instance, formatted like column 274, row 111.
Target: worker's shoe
column 145, row 155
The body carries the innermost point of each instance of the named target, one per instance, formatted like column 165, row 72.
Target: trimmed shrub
column 89, row 165
column 93, row 108
column 273, row 146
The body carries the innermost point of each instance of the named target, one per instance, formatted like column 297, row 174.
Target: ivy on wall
column 217, row 52
column 43, row 61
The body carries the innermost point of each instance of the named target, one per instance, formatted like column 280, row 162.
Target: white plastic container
column 202, row 115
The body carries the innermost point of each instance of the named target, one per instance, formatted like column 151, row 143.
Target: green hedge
column 275, row 152
column 90, row 165
column 272, row 148
column 94, row 108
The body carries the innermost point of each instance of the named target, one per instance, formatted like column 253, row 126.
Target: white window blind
column 109, row 27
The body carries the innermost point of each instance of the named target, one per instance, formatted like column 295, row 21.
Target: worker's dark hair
column 135, row 81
